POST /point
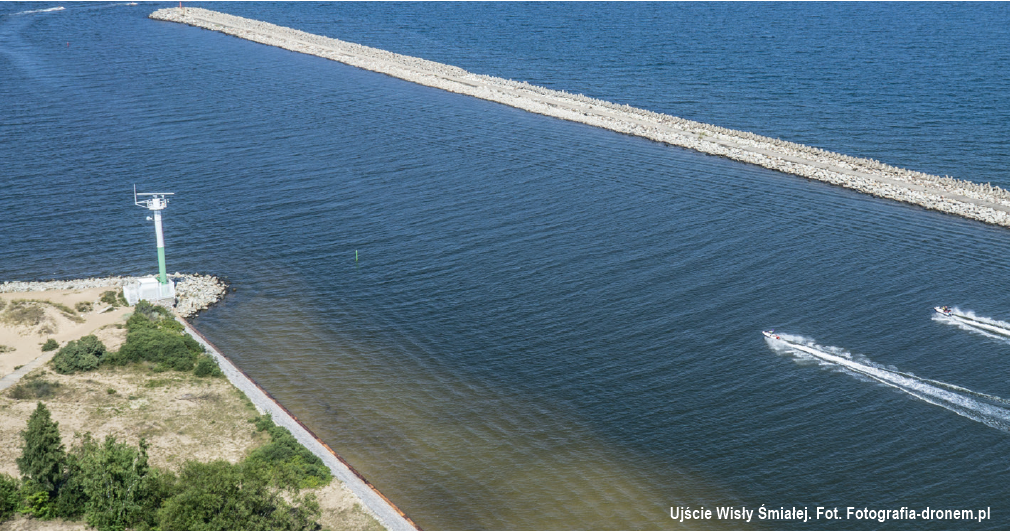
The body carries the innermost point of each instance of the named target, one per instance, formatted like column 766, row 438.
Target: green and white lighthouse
column 156, row 203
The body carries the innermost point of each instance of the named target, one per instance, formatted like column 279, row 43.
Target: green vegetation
column 206, row 366
column 153, row 337
column 84, row 354
column 29, row 312
column 33, row 389
column 83, row 307
column 111, row 485
column 113, row 298
column 286, row 462
column 222, row 496
column 9, row 496
column 6, row 348
column 50, row 344
column 24, row 312
column 114, row 485
column 43, row 457
column 65, row 310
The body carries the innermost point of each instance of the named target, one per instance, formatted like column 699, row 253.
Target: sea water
column 548, row 326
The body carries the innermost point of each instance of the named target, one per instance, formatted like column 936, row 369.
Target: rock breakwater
column 982, row 202
column 193, row 292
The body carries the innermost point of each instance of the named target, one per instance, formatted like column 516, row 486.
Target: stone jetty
column 193, row 292
column 982, row 202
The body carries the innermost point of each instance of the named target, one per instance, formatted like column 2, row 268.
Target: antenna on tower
column 157, row 202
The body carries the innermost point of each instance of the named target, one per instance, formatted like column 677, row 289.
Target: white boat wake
column 60, row 8
column 993, row 411
column 981, row 325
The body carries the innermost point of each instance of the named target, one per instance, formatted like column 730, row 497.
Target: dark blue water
column 549, row 326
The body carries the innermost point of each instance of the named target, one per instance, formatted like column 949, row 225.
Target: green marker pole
column 355, row 255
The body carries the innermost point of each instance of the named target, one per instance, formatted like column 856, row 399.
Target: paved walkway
column 14, row 377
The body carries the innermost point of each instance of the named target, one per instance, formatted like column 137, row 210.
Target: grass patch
column 31, row 312
column 84, row 307
column 5, row 348
column 50, row 344
column 24, row 312
column 114, row 298
column 34, row 389
column 161, row 382
column 67, row 311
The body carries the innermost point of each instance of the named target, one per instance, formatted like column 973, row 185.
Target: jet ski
column 943, row 310
column 770, row 334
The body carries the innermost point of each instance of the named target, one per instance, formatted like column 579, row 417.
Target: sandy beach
column 182, row 416
column 23, row 339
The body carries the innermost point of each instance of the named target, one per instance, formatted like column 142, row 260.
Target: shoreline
column 205, row 290
column 980, row 202
column 194, row 292
column 381, row 507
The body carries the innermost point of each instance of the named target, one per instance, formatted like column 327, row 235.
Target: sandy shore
column 981, row 202
column 182, row 416
column 24, row 341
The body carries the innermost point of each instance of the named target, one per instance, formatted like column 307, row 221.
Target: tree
column 116, row 481
column 8, row 496
column 220, row 496
column 43, row 457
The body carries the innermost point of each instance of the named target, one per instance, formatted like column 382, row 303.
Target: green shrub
column 85, row 354
column 9, row 496
column 152, row 312
column 34, row 501
column 170, row 324
column 50, row 344
column 166, row 349
column 156, row 337
column 111, row 298
column 222, row 496
column 285, row 461
column 207, row 366
column 5, row 349
column 83, row 307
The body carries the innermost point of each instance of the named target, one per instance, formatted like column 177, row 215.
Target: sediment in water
column 982, row 202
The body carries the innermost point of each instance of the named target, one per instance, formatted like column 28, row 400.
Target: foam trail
column 60, row 8
column 982, row 325
column 980, row 407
